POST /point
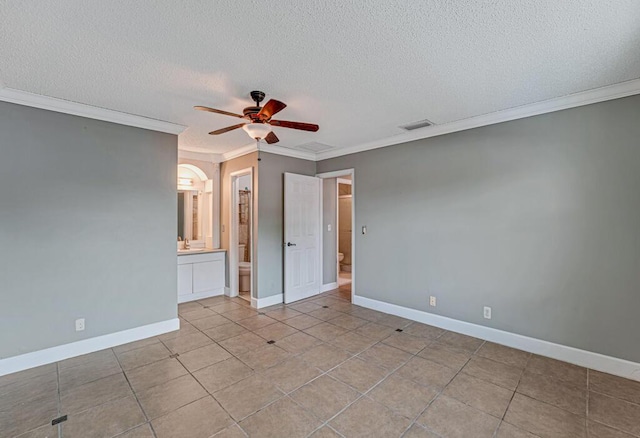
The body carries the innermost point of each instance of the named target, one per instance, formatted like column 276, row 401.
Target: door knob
column 291, row 244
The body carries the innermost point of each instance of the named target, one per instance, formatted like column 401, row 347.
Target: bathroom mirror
column 198, row 206
column 189, row 215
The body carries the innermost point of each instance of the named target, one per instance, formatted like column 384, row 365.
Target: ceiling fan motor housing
column 257, row 96
column 251, row 111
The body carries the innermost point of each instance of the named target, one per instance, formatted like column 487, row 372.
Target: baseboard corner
column 259, row 303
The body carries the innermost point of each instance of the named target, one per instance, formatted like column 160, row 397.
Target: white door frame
column 234, row 258
column 337, row 174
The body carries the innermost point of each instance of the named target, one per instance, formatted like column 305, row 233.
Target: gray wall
column 87, row 228
column 270, row 213
column 537, row 218
column 329, row 251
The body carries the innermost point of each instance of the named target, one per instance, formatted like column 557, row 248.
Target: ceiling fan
column 260, row 121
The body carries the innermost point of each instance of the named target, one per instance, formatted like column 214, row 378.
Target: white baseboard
column 227, row 291
column 202, row 295
column 66, row 351
column 259, row 303
column 587, row 359
column 329, row 286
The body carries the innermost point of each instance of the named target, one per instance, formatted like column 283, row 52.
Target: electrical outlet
column 487, row 312
column 329, row 227
column 432, row 301
column 79, row 324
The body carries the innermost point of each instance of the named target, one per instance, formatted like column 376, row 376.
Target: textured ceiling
column 357, row 68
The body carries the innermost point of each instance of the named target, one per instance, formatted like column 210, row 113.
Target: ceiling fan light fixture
column 257, row 130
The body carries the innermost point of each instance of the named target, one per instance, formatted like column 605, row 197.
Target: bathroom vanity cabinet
column 201, row 275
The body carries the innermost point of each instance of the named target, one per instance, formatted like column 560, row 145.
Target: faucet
column 187, row 245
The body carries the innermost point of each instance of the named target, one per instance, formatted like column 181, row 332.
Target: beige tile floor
column 322, row 368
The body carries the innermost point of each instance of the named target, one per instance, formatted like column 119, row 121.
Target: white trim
column 588, row 359
column 200, row 156
column 92, row 112
column 287, row 152
column 336, row 173
column 215, row 210
column 259, row 303
column 239, row 152
column 589, row 97
column 195, row 169
column 329, row 286
column 269, row 148
column 73, row 349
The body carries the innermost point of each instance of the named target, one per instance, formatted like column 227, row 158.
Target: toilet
column 340, row 257
column 244, row 271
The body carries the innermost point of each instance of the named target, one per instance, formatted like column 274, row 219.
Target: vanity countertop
column 199, row 251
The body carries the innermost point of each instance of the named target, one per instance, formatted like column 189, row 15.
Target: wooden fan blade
column 295, row 125
column 227, row 129
column 271, row 138
column 217, row 111
column 272, row 107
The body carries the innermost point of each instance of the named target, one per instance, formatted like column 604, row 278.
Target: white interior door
column 302, row 230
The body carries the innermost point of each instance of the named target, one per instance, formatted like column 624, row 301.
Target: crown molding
column 278, row 150
column 616, row 91
column 295, row 153
column 20, row 97
column 239, row 152
column 200, row 156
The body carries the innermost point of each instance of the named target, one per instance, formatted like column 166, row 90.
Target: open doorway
column 338, row 237
column 241, row 241
column 344, row 230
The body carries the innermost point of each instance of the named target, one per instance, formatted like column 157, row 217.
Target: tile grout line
column 59, row 425
column 323, row 372
column 441, row 391
column 255, row 373
column 586, row 424
column 514, row 394
column 390, row 373
column 134, row 395
column 209, row 394
column 364, row 394
column 287, row 394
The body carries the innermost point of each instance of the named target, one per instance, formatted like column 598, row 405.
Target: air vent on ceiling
column 314, row 146
column 416, row 125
